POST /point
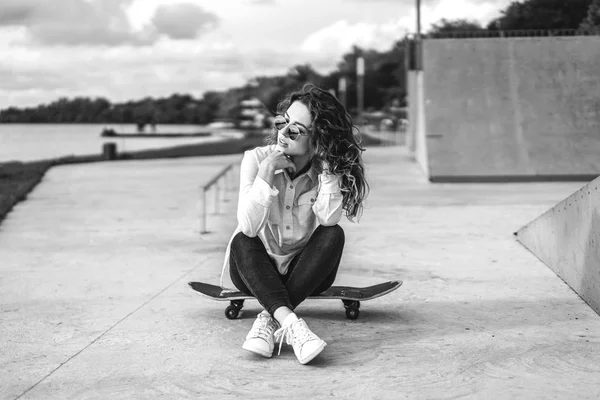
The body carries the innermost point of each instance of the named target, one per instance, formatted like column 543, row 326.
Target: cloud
column 433, row 11
column 482, row 11
column 16, row 12
column 405, row 3
column 101, row 22
column 183, row 21
column 74, row 22
column 338, row 38
column 32, row 77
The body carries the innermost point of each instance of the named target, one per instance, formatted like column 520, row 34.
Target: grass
column 18, row 179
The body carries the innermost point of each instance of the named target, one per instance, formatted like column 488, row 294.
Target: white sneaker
column 260, row 338
column 306, row 344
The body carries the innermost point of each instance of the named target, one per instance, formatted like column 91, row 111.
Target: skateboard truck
column 352, row 307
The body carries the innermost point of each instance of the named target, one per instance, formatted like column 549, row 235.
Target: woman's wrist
column 266, row 171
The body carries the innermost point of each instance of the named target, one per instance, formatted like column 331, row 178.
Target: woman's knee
column 241, row 241
column 332, row 234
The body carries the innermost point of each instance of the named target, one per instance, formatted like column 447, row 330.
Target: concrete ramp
column 567, row 239
column 521, row 109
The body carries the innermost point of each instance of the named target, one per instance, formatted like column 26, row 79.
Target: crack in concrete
column 108, row 330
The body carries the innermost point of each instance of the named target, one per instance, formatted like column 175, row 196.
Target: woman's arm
column 256, row 195
column 256, row 189
column 328, row 207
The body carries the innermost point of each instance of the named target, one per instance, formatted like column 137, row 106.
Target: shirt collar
column 311, row 173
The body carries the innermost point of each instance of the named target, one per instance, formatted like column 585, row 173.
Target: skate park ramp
column 567, row 239
column 519, row 109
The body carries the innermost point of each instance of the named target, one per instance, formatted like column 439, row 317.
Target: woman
column 293, row 193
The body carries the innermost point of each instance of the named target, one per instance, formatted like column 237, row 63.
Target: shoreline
column 166, row 135
column 18, row 179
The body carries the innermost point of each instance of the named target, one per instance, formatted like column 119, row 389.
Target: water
column 29, row 142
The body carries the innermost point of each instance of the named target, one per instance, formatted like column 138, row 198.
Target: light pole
column 360, row 85
column 342, row 91
column 418, row 19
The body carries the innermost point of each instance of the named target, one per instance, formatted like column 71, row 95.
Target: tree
column 304, row 73
column 592, row 20
column 458, row 25
column 384, row 79
column 542, row 15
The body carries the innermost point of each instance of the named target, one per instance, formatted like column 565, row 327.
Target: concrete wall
column 513, row 108
column 421, row 147
column 411, row 133
column 567, row 239
column 416, row 137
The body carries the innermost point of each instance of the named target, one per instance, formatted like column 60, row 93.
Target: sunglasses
column 293, row 131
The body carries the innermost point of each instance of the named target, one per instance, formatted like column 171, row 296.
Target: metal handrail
column 486, row 33
column 216, row 178
column 206, row 187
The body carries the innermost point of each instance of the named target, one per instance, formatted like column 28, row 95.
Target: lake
column 30, row 142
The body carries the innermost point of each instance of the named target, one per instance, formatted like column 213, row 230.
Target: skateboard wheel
column 232, row 312
column 352, row 313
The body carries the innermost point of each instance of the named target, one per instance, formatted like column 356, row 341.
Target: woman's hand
column 273, row 162
column 279, row 160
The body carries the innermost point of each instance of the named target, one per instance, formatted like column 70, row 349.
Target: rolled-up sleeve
column 328, row 207
column 255, row 197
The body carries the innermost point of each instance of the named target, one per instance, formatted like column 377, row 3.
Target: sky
column 130, row 49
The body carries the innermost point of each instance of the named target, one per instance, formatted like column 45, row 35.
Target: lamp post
column 417, row 44
column 360, row 85
column 418, row 19
column 342, row 91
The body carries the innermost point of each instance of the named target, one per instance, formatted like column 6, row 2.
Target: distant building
column 252, row 114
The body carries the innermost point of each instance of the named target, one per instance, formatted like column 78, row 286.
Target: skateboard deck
column 350, row 296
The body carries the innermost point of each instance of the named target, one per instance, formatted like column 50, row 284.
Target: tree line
column 384, row 77
column 582, row 16
column 384, row 88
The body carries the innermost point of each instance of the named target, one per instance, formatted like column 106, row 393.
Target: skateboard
column 350, row 296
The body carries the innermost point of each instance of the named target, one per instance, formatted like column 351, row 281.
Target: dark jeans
column 311, row 271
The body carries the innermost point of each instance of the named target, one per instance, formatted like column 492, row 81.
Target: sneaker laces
column 296, row 332
column 262, row 327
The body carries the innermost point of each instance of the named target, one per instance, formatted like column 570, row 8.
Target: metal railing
column 387, row 136
column 224, row 178
column 486, row 33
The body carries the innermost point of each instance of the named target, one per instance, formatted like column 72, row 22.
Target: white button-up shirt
column 284, row 215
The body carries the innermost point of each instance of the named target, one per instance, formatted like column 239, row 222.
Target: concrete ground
column 94, row 302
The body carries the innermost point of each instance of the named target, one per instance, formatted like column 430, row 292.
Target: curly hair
column 334, row 142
